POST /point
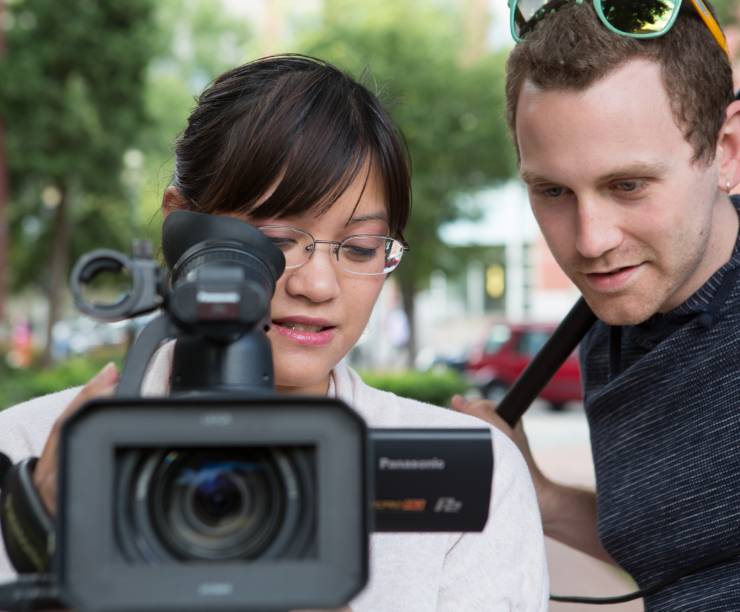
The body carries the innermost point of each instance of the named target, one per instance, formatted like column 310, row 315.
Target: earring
column 729, row 188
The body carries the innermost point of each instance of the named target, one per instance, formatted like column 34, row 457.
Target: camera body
column 224, row 495
column 293, row 528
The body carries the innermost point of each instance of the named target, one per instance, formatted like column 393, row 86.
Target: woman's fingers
column 45, row 473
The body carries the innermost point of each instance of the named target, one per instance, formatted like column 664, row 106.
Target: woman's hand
column 486, row 411
column 45, row 473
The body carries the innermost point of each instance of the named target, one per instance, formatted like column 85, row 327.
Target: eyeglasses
column 633, row 18
column 364, row 254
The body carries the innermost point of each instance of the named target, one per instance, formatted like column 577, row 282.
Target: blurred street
column 561, row 447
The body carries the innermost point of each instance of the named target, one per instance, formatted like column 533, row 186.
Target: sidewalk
column 561, row 447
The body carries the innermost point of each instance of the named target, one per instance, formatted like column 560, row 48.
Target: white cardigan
column 502, row 569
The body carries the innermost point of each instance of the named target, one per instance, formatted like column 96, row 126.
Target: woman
column 300, row 150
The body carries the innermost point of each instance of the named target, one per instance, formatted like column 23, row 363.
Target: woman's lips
column 305, row 332
column 612, row 281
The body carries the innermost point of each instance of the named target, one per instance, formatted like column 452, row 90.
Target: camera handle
column 147, row 342
column 546, row 362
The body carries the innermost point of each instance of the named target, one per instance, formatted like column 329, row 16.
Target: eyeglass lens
column 627, row 16
column 362, row 254
column 639, row 16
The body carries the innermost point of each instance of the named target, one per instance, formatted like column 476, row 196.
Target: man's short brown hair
column 571, row 50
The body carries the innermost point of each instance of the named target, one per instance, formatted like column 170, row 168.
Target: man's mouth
column 612, row 272
column 612, row 280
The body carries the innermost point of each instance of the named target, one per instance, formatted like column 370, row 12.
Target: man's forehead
column 616, row 85
column 622, row 121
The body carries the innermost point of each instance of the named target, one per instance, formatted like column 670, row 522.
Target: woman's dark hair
column 293, row 124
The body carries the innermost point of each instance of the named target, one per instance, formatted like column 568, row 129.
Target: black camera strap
column 722, row 556
column 28, row 530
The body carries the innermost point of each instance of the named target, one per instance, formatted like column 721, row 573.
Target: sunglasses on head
column 633, row 18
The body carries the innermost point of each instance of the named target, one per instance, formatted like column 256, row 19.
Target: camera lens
column 215, row 504
column 218, row 499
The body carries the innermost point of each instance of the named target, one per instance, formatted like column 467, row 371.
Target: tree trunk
column 408, row 298
column 4, row 222
column 57, row 271
column 4, row 193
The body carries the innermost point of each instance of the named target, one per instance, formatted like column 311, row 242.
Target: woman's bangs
column 324, row 160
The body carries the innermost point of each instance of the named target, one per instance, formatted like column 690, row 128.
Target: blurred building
column 514, row 279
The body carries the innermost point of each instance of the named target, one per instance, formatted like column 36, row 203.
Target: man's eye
column 627, row 185
column 551, row 192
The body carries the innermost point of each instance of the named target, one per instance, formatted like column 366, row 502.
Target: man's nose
column 598, row 229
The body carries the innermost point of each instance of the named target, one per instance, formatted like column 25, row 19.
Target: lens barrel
column 215, row 504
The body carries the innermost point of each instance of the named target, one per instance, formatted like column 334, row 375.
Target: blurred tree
column 4, row 242
column 726, row 10
column 200, row 40
column 96, row 93
column 72, row 88
column 449, row 107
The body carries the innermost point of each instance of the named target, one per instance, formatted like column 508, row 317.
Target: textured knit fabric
column 665, row 434
column 501, row 569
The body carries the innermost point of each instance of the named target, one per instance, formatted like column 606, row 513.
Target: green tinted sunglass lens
column 528, row 13
column 639, row 16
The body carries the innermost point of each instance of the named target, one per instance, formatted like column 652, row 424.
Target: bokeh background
column 94, row 93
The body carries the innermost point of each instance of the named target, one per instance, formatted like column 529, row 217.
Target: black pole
column 547, row 361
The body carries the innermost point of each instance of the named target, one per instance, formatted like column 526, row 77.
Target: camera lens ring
column 170, row 508
column 144, row 533
column 93, row 265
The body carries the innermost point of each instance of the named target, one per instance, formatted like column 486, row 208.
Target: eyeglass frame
column 337, row 245
column 704, row 13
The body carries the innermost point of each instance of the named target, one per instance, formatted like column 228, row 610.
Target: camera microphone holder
column 546, row 362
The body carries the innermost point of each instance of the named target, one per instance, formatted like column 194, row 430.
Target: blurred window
column 498, row 336
column 531, row 342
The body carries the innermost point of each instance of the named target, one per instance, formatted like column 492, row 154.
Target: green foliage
column 727, row 11
column 433, row 387
column 452, row 115
column 451, row 112
column 199, row 40
column 18, row 385
column 72, row 87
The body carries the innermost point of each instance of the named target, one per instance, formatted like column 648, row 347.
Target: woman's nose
column 318, row 278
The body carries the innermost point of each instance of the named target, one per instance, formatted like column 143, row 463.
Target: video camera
column 225, row 495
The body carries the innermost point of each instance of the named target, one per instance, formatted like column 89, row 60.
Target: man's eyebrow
column 635, row 170
column 530, row 178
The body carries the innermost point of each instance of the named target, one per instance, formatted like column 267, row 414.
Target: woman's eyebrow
column 371, row 217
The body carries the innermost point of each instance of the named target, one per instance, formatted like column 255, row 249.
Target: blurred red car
column 507, row 351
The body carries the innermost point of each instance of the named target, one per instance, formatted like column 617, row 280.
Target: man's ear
column 172, row 200
column 728, row 149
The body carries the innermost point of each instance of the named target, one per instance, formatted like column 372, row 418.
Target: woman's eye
column 359, row 253
column 284, row 244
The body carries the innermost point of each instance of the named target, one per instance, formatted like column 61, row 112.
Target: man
column 629, row 147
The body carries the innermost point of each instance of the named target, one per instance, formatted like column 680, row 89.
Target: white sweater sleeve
column 503, row 568
column 24, row 429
